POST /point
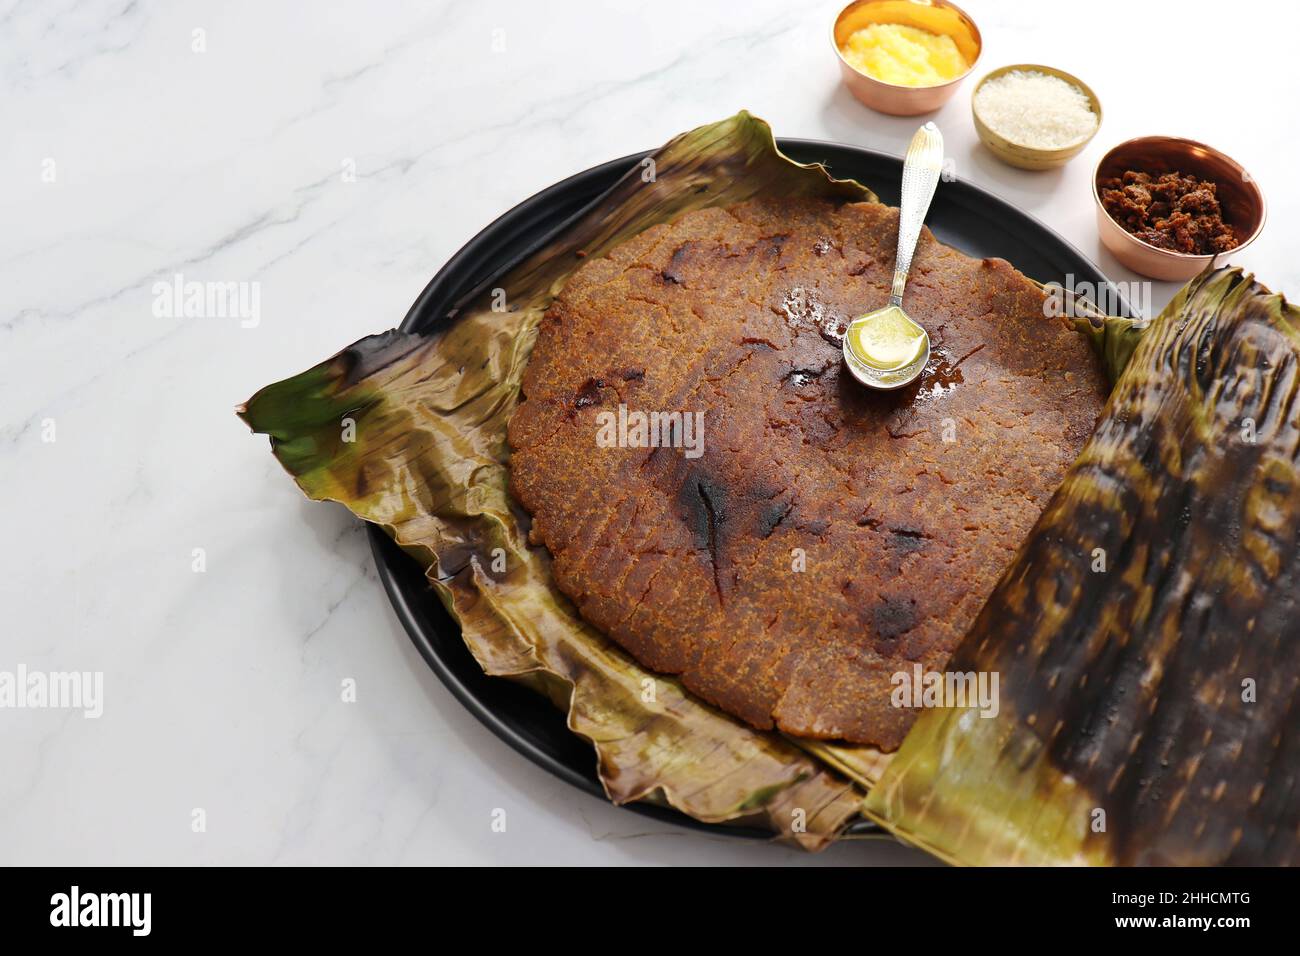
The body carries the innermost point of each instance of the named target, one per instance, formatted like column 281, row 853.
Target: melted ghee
column 887, row 340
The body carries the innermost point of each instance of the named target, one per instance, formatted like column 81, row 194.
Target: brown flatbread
column 828, row 536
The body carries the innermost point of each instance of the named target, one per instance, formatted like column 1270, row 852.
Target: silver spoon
column 886, row 349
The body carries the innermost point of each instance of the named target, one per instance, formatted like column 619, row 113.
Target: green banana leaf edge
column 408, row 432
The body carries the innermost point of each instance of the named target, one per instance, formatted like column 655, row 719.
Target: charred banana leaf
column 409, row 431
column 1147, row 636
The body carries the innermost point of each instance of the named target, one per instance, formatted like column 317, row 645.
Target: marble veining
column 261, row 702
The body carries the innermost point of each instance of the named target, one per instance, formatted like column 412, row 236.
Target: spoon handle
column 921, row 171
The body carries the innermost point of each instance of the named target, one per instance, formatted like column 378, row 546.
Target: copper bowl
column 937, row 16
column 1239, row 195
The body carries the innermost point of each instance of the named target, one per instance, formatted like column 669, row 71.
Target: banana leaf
column 1147, row 635
column 409, row 431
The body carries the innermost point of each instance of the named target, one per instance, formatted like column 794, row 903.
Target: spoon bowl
column 885, row 349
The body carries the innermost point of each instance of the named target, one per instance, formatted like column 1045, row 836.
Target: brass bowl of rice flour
column 1028, row 117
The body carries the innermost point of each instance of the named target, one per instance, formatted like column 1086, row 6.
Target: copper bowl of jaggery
column 932, row 16
column 1240, row 200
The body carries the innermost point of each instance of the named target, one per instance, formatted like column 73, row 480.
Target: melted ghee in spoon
column 886, row 340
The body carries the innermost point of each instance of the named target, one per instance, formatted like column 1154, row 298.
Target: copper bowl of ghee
column 936, row 16
column 1240, row 198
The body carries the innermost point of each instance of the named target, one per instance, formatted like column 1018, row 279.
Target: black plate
column 962, row 215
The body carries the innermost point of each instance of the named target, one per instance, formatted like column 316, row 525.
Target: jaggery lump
column 1169, row 211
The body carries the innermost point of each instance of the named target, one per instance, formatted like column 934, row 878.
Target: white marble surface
column 222, row 688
